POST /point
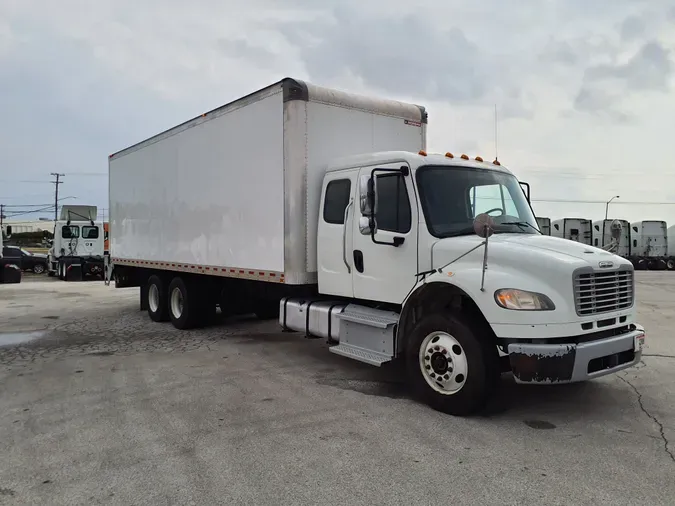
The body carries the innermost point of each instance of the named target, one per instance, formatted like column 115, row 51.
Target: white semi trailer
column 544, row 225
column 573, row 229
column 612, row 235
column 323, row 208
column 649, row 245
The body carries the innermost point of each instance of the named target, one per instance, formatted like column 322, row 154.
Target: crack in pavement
column 659, row 355
column 666, row 443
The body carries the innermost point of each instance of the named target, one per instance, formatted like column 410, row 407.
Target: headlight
column 520, row 300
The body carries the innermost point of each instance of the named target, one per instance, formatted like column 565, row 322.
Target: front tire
column 450, row 365
column 158, row 308
column 38, row 268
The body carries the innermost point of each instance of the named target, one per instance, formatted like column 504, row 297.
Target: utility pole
column 2, row 215
column 56, row 193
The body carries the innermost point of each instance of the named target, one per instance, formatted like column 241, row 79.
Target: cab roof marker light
column 449, row 155
column 464, row 157
column 422, row 152
column 479, row 159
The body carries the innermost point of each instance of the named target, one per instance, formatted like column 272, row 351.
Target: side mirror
column 367, row 225
column 368, row 195
column 526, row 190
column 483, row 225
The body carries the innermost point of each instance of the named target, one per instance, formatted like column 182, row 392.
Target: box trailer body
column 573, row 229
column 544, row 225
column 322, row 209
column 237, row 191
column 612, row 235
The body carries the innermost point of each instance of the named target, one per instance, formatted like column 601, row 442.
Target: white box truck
column 323, row 208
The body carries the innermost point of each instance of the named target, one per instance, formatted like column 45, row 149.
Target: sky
column 584, row 90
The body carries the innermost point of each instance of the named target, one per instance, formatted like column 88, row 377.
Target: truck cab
column 78, row 245
column 438, row 260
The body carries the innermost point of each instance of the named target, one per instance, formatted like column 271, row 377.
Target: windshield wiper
column 521, row 224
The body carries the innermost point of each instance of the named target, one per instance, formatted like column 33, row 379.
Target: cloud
column 605, row 86
column 572, row 80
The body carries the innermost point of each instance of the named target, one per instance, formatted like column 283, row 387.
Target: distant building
column 23, row 226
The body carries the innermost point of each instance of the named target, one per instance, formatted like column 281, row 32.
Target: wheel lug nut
column 427, row 366
column 433, row 375
column 447, row 376
column 444, row 351
column 426, row 358
column 437, row 348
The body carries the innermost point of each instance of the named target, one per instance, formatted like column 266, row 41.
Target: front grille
column 603, row 292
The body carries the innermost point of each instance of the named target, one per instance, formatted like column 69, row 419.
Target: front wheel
column 450, row 365
column 38, row 268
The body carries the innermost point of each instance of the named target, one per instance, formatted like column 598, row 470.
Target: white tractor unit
column 77, row 248
column 323, row 209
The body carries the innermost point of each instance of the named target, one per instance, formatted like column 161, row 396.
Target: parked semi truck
column 323, row 209
column 573, row 229
column 78, row 244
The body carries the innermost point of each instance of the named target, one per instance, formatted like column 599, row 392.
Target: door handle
column 344, row 237
column 358, row 260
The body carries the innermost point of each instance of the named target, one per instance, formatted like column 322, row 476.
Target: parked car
column 28, row 261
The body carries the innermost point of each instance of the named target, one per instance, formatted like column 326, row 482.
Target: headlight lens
column 521, row 300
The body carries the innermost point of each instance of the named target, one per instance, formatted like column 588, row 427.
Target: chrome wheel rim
column 177, row 302
column 443, row 363
column 153, row 298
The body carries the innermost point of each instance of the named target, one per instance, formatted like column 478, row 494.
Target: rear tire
column 450, row 366
column 158, row 307
column 670, row 264
column 183, row 304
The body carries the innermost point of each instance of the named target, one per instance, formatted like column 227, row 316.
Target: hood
column 38, row 255
column 526, row 252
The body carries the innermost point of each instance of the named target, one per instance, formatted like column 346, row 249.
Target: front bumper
column 569, row 363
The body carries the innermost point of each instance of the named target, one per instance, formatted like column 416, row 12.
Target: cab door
column 385, row 262
column 334, row 235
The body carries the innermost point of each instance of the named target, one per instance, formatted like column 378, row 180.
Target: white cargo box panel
column 573, row 229
column 649, row 238
column 603, row 236
column 236, row 191
column 671, row 240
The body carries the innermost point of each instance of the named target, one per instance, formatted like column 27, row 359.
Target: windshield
column 453, row 196
column 26, row 252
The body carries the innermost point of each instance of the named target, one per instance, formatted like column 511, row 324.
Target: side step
column 366, row 334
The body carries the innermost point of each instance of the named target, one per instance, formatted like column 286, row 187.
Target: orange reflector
column 422, row 152
column 449, row 155
column 479, row 159
column 464, row 157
